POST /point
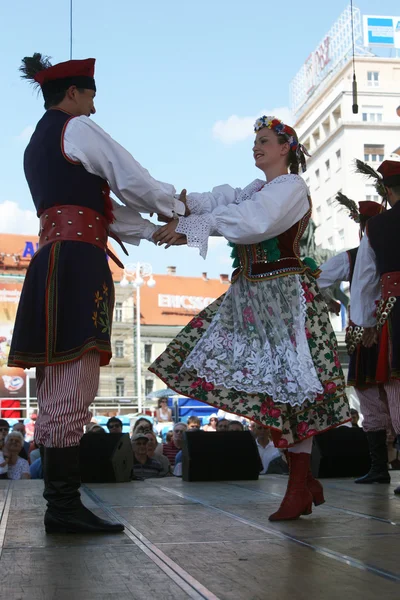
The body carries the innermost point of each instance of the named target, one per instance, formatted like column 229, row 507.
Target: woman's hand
column 167, row 235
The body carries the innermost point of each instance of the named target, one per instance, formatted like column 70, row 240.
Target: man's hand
column 370, row 337
column 164, row 219
column 168, row 236
column 333, row 306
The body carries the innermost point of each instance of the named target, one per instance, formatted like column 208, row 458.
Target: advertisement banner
column 12, row 380
column 381, row 31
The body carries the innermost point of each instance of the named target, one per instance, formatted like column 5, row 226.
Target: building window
column 148, row 386
column 118, row 312
column 338, row 159
column 330, row 242
column 373, row 78
column 374, row 152
column 372, row 114
column 317, row 177
column 341, row 237
column 328, row 168
column 119, row 387
column 119, row 349
column 147, row 353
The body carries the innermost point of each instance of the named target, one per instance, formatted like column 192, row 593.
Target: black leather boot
column 65, row 512
column 378, row 472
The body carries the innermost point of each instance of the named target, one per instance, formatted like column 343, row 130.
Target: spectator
column 25, row 450
column 144, row 467
column 271, row 458
column 212, row 423
column 152, row 452
column 36, row 469
column 252, row 428
column 142, row 425
column 171, row 449
column 30, row 427
column 169, row 436
column 114, row 425
column 18, row 468
column 193, row 423
column 163, row 413
column 355, row 417
column 34, row 453
column 96, row 428
column 223, row 425
column 235, row 426
column 4, row 429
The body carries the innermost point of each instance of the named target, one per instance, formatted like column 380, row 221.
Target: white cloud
column 14, row 219
column 236, row 129
column 26, row 134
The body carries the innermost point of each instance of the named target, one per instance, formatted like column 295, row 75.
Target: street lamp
column 136, row 274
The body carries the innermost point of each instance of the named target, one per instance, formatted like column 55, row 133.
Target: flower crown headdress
column 288, row 132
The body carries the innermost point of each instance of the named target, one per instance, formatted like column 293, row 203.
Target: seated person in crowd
column 212, row 423
column 18, row 468
column 152, row 448
column 271, row 457
column 163, row 413
column 169, row 436
column 252, row 428
column 143, row 466
column 4, row 430
column 36, row 469
column 171, row 449
column 355, row 417
column 193, row 423
column 142, row 425
column 25, row 449
column 235, row 426
column 96, row 428
column 30, row 427
column 114, row 425
column 223, row 425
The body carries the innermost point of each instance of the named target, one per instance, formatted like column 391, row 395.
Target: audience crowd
column 156, row 446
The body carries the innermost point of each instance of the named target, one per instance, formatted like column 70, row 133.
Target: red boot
column 316, row 489
column 313, row 484
column 298, row 499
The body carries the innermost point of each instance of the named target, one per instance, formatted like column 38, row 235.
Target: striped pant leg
column 392, row 389
column 374, row 408
column 65, row 393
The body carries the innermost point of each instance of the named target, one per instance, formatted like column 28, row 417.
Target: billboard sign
column 12, row 380
column 382, row 31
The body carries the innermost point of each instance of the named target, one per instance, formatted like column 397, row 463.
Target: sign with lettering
column 382, row 31
column 194, row 303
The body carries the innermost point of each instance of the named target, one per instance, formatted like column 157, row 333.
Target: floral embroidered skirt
column 265, row 351
column 65, row 307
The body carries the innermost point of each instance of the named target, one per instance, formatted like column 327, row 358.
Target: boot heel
column 318, row 498
column 308, row 509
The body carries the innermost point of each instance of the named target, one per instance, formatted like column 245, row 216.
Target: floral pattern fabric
column 257, row 342
column 327, row 409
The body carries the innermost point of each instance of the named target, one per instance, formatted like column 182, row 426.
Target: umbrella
column 161, row 393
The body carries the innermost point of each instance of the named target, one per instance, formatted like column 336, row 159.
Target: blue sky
column 167, row 73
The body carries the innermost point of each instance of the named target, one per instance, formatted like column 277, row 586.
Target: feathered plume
column 364, row 169
column 350, row 205
column 32, row 65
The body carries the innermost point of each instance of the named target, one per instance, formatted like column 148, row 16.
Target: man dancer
column 363, row 361
column 64, row 318
column 377, row 277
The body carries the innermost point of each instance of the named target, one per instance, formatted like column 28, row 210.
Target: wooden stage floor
column 205, row 540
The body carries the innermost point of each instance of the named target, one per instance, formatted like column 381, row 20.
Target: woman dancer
column 265, row 350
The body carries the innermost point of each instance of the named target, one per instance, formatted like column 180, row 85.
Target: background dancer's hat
column 53, row 79
column 361, row 213
column 390, row 171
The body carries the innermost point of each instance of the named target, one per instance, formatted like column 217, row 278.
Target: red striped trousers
column 65, row 393
column 380, row 406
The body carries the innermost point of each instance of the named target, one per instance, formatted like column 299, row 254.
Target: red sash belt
column 390, row 284
column 76, row 224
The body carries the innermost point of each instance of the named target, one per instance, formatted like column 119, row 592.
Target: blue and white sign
column 381, row 31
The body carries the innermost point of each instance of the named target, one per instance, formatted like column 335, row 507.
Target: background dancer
column 363, row 361
column 63, row 324
column 377, row 278
column 265, row 350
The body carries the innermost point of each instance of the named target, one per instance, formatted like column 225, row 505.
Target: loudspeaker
column 219, row 456
column 106, row 458
column 340, row 452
